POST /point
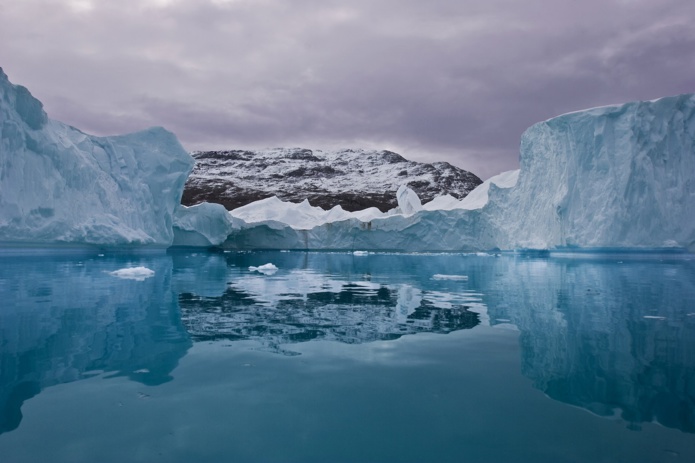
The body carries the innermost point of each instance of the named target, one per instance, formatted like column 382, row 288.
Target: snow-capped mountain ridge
column 352, row 178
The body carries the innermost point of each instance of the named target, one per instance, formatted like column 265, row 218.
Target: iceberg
column 60, row 185
column 408, row 201
column 476, row 199
column 616, row 177
column 203, row 225
column 619, row 176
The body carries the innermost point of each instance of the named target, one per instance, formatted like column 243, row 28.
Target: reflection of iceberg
column 62, row 320
column 304, row 305
column 585, row 339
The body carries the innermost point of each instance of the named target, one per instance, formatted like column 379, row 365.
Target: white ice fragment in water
column 133, row 273
column 439, row 276
column 360, row 253
column 654, row 317
column 265, row 269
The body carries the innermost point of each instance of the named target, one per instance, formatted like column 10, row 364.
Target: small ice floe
column 654, row 317
column 133, row 273
column 360, row 253
column 439, row 276
column 265, row 269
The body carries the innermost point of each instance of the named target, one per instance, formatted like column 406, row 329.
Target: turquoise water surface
column 337, row 357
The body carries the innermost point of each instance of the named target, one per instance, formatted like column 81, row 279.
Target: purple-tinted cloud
column 438, row 80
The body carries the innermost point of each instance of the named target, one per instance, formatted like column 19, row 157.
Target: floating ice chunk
column 133, row 273
column 265, row 269
column 360, row 253
column 440, row 276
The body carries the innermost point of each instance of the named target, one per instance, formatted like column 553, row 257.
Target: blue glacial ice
column 203, row 225
column 618, row 176
column 613, row 177
column 60, row 185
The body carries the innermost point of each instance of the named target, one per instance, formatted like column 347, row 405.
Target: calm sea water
column 337, row 357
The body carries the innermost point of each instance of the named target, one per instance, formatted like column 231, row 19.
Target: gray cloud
column 437, row 80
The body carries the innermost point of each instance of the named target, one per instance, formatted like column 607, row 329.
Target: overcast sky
column 435, row 80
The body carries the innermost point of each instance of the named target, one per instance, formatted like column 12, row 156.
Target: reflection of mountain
column 62, row 320
column 303, row 306
column 588, row 339
column 584, row 337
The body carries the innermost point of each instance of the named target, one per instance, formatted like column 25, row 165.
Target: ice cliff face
column 618, row 176
column 353, row 179
column 60, row 185
column 613, row 177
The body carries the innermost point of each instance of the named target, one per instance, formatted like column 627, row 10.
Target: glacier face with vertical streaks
column 618, row 176
column 59, row 185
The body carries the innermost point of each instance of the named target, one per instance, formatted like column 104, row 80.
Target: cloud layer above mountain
column 438, row 80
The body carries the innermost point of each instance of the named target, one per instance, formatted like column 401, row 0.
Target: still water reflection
column 612, row 335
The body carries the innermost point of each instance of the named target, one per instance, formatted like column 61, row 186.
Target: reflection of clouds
column 295, row 284
column 471, row 299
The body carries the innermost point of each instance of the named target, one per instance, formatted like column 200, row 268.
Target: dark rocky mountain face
column 353, row 179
